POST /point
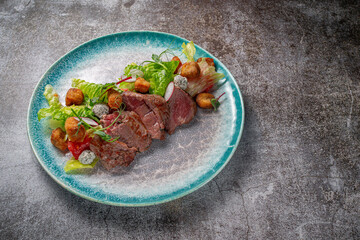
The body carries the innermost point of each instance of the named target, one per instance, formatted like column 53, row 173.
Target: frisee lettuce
column 189, row 50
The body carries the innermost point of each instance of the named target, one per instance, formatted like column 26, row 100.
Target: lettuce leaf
column 54, row 104
column 57, row 111
column 52, row 97
column 189, row 50
column 159, row 74
column 159, row 82
column 128, row 86
column 73, row 166
column 129, row 67
column 91, row 90
column 65, row 112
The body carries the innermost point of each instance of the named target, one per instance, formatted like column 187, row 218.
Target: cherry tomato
column 176, row 58
column 76, row 148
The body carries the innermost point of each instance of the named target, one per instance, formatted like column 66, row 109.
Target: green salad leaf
column 159, row 82
column 128, row 86
column 156, row 58
column 58, row 112
column 74, row 166
column 92, row 90
column 215, row 103
column 158, row 73
column 54, row 104
column 65, row 112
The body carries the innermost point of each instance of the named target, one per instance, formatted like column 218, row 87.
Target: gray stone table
column 295, row 174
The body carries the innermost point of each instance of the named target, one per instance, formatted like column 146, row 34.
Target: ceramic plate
column 170, row 169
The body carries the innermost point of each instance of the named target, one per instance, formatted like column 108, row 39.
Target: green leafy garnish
column 93, row 90
column 100, row 130
column 105, row 136
column 156, row 58
column 215, row 102
column 58, row 112
column 93, row 94
column 53, row 100
column 159, row 74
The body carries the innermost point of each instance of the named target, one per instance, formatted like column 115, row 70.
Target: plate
column 170, row 169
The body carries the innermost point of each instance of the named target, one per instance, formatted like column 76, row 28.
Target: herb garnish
column 215, row 102
column 100, row 131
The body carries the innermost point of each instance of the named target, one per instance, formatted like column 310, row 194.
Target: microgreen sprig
column 100, row 132
column 159, row 63
column 157, row 58
column 215, row 102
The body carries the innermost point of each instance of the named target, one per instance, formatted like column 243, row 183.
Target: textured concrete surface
column 295, row 174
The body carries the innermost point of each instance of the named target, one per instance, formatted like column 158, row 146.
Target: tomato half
column 76, row 148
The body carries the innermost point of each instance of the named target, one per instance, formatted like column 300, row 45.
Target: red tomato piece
column 76, row 148
column 209, row 88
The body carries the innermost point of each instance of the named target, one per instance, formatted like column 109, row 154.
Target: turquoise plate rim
column 201, row 181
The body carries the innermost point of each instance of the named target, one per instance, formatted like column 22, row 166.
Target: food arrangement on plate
column 112, row 122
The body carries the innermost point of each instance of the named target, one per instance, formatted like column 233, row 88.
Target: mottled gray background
column 295, row 174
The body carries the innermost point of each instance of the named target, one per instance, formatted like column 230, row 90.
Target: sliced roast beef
column 152, row 109
column 182, row 109
column 112, row 154
column 129, row 128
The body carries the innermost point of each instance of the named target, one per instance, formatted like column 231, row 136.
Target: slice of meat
column 112, row 154
column 182, row 109
column 151, row 108
column 129, row 128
